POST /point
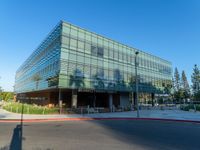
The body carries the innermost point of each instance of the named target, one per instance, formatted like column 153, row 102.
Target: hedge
column 190, row 106
column 29, row 108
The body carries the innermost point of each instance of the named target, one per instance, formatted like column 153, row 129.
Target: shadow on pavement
column 17, row 137
column 153, row 135
column 16, row 142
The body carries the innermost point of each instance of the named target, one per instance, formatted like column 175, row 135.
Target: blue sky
column 169, row 29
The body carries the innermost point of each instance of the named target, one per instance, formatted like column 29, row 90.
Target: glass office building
column 78, row 68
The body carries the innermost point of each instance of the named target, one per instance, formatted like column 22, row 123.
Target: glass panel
column 81, row 46
column 72, row 57
column 80, row 58
column 94, row 39
column 65, row 40
column 87, row 48
column 87, row 70
column 94, row 50
column 110, row 53
column 66, row 29
column 100, row 52
column 74, row 32
column 87, row 60
column 81, row 35
column 88, row 37
column 73, row 43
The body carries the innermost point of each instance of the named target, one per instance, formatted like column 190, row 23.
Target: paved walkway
column 160, row 114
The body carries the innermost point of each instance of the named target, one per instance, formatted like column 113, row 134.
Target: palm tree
column 77, row 79
column 132, row 82
column 37, row 79
column 53, row 81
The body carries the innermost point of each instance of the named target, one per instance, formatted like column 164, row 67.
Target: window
column 80, row 58
column 93, row 71
column 94, row 39
column 65, row 40
column 87, row 70
column 71, row 67
column 87, row 60
column 100, row 63
column 81, row 34
column 106, row 52
column 120, row 56
column 87, row 48
column 97, row 51
column 100, row 41
column 100, row 73
column 81, row 46
column 72, row 57
column 100, row 52
column 116, row 55
column 66, row 29
column 88, row 37
column 74, row 32
column 106, row 74
column 105, row 64
column 110, row 75
column 94, row 50
column 79, row 70
column 94, row 61
column 73, row 43
column 110, row 53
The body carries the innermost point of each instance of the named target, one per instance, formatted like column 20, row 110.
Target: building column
column 110, row 101
column 94, row 99
column 60, row 100
column 124, row 99
column 134, row 101
column 152, row 98
column 74, row 99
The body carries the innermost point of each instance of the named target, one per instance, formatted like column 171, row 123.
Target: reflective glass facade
column 73, row 58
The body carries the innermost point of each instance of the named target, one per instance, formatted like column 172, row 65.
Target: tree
column 176, row 80
column 6, row 96
column 185, row 88
column 195, row 79
column 176, row 86
column 53, row 80
column 77, row 79
column 197, row 96
column 37, row 79
column 167, row 89
column 1, row 90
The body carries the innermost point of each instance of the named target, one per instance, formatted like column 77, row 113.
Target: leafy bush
column 6, row 96
column 28, row 108
column 190, row 106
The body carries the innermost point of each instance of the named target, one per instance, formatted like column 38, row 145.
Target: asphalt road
column 100, row 135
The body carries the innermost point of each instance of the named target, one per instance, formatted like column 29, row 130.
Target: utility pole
column 136, row 84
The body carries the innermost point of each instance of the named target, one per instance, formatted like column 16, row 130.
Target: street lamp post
column 136, row 84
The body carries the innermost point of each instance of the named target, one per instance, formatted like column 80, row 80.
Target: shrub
column 28, row 108
column 190, row 106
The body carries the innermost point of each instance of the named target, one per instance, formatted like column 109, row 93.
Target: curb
column 88, row 119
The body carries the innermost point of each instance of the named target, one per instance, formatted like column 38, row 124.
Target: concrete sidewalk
column 158, row 114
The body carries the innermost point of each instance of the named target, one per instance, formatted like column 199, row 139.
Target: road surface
column 100, row 135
